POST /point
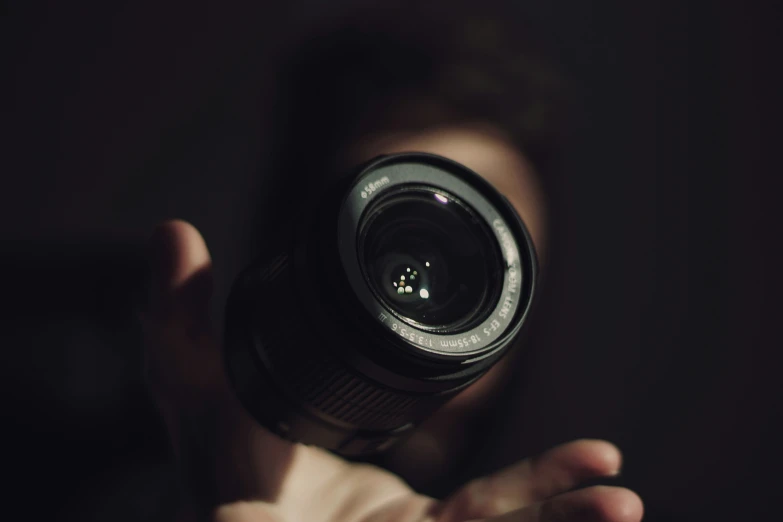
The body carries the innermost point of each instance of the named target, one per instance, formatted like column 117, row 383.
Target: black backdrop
column 658, row 331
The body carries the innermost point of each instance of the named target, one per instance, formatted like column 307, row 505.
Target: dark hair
column 478, row 63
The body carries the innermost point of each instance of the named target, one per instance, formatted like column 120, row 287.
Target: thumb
column 181, row 269
column 223, row 455
column 182, row 360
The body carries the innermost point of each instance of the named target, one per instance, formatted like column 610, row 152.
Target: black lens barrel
column 318, row 353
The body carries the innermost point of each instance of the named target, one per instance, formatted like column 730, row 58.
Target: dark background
column 659, row 331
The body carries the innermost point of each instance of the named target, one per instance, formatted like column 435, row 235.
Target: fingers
column 595, row 504
column 532, row 480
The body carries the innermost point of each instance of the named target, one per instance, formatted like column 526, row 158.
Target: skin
column 233, row 470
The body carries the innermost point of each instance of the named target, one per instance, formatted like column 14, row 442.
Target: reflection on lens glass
column 430, row 258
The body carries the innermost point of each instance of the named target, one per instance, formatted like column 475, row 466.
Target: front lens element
column 428, row 257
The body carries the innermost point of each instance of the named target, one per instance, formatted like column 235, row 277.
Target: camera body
column 397, row 287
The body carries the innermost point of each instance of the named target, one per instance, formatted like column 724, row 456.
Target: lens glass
column 430, row 258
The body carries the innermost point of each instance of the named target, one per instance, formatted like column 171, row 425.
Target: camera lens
column 430, row 259
column 383, row 294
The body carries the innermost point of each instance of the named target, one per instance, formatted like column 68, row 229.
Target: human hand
column 233, row 470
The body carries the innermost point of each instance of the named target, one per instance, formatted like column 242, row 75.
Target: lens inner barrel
column 430, row 258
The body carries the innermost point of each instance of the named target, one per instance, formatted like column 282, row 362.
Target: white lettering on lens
column 506, row 241
column 412, row 335
column 513, row 280
column 459, row 343
column 506, row 308
column 372, row 186
column 493, row 327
